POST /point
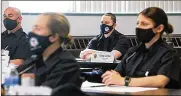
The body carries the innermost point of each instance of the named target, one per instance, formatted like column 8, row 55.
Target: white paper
column 5, row 61
column 86, row 87
column 89, row 84
column 4, row 52
column 29, row 90
column 2, row 79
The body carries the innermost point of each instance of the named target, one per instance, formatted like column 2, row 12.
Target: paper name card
column 102, row 56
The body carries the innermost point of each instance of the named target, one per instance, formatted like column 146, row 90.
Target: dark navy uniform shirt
column 159, row 59
column 16, row 43
column 60, row 68
column 116, row 41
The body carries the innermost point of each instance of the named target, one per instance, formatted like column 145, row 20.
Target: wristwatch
column 127, row 80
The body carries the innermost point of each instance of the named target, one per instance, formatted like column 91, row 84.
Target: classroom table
column 104, row 65
column 149, row 92
column 99, row 89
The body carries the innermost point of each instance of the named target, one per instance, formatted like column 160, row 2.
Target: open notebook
column 101, row 88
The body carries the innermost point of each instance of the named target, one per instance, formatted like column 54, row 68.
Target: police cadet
column 109, row 39
column 53, row 66
column 14, row 39
column 153, row 63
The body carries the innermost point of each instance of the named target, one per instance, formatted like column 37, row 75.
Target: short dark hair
column 159, row 17
column 113, row 17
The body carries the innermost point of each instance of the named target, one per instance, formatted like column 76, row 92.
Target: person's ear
column 54, row 38
column 159, row 28
column 114, row 26
column 19, row 19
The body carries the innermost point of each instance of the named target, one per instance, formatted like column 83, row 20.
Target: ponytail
column 169, row 29
column 65, row 41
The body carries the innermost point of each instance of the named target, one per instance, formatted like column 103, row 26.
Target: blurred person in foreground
column 51, row 65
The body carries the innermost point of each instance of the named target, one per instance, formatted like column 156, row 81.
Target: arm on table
column 117, row 54
column 17, row 61
column 113, row 77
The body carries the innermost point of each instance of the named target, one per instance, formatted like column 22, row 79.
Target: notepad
column 87, row 87
column 90, row 84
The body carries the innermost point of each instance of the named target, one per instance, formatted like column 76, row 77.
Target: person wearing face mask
column 14, row 40
column 109, row 39
column 153, row 63
column 53, row 66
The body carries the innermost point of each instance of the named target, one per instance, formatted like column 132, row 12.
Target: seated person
column 153, row 63
column 54, row 66
column 108, row 40
column 14, row 40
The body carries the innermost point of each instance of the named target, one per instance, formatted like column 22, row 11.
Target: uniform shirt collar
column 17, row 33
column 112, row 35
column 155, row 45
column 53, row 55
column 152, row 49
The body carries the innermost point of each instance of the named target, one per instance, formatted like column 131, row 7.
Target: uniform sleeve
column 122, row 45
column 23, row 50
column 92, row 44
column 62, row 74
column 170, row 67
column 121, row 67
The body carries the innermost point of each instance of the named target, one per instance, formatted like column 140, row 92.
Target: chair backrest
column 80, row 43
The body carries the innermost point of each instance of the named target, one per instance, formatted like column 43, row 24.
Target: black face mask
column 38, row 43
column 105, row 29
column 10, row 24
column 144, row 35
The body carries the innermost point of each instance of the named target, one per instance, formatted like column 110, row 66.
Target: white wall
column 4, row 5
column 89, row 25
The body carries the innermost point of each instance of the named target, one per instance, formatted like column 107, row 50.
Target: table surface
column 150, row 92
column 99, row 89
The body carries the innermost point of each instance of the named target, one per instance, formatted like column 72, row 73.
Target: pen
column 98, row 86
column 6, row 47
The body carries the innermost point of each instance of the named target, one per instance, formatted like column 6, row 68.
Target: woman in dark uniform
column 51, row 65
column 153, row 63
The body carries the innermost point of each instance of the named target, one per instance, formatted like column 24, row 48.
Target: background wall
column 3, row 6
column 88, row 25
